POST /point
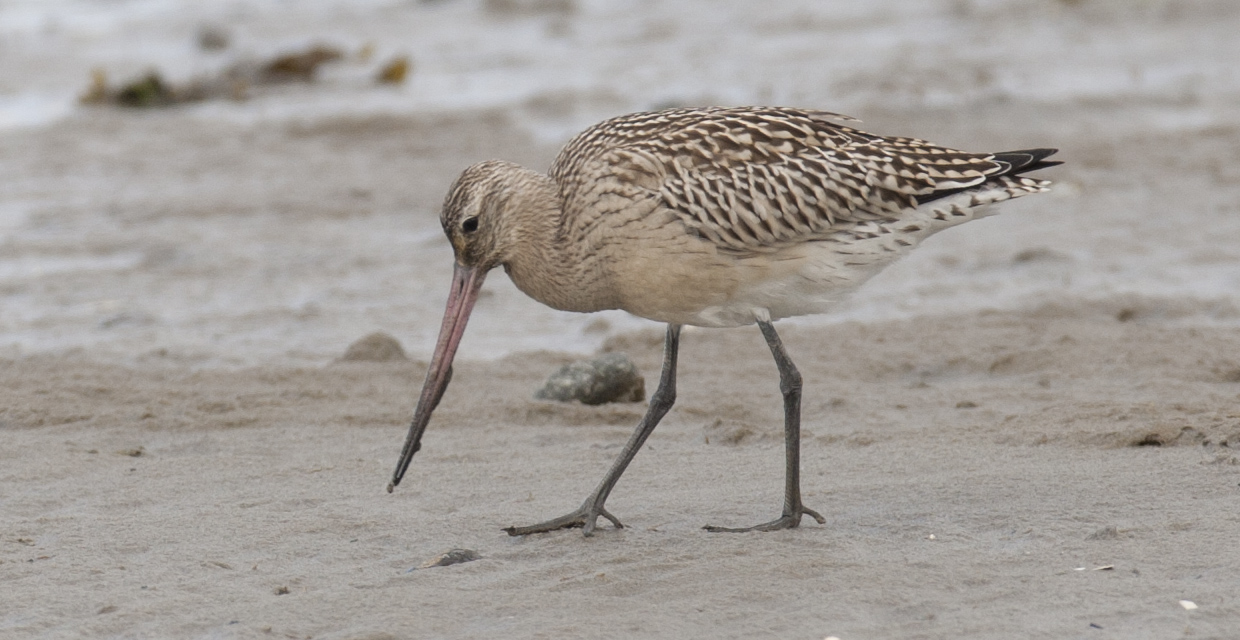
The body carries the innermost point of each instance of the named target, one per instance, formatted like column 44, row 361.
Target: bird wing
column 754, row 179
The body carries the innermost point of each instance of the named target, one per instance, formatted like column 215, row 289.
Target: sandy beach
column 1030, row 428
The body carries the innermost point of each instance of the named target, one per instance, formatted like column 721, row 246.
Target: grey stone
column 376, row 347
column 607, row 378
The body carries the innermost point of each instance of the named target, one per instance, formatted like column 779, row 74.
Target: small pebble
column 1105, row 533
column 729, row 432
column 213, row 38
column 455, row 556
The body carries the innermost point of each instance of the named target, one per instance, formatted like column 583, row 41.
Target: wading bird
column 712, row 217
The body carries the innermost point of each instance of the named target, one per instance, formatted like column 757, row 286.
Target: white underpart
column 823, row 271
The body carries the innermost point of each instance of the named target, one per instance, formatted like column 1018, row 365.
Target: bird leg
column 790, row 385
column 588, row 513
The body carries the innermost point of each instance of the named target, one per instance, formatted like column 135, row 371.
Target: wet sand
column 977, row 474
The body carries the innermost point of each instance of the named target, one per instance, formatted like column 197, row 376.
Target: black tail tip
column 1026, row 160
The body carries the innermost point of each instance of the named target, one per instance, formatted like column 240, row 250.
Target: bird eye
column 470, row 225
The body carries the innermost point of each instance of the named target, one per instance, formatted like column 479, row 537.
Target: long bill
column 466, row 281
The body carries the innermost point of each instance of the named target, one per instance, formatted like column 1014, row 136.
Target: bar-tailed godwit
column 712, row 217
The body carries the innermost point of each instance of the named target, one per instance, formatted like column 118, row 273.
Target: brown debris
column 152, row 90
column 98, row 91
column 234, row 83
column 148, row 91
column 394, row 72
column 300, row 66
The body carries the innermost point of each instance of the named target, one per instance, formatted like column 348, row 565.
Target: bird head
column 481, row 217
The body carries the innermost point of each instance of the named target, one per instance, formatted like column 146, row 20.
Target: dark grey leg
column 664, row 396
column 790, row 385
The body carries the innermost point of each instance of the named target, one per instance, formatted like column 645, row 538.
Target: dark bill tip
column 466, row 281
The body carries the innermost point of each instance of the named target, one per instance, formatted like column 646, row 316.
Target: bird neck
column 541, row 257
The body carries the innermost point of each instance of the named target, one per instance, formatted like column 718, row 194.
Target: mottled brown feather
column 758, row 179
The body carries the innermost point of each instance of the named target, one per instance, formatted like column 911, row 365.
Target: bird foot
column 585, row 517
column 786, row 521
